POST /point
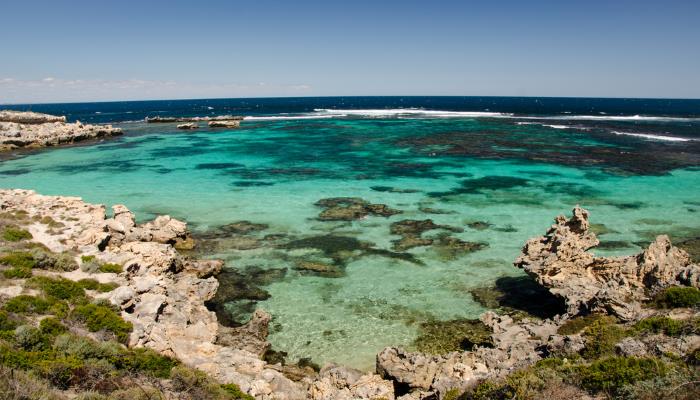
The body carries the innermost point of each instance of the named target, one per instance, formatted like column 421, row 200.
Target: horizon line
column 347, row 96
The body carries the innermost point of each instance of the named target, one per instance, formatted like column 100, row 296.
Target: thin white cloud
column 50, row 89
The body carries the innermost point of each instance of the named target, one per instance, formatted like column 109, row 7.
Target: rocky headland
column 634, row 318
column 20, row 129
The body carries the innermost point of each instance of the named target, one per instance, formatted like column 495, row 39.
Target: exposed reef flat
column 154, row 120
column 163, row 295
column 30, row 130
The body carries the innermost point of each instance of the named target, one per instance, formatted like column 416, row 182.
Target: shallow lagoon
column 502, row 182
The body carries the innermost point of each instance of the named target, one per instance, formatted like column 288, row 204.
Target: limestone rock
column 560, row 261
column 30, row 129
column 187, row 126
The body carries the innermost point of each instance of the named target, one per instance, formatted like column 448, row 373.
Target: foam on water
column 654, row 137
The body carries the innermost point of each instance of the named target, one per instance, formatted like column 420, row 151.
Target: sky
column 72, row 51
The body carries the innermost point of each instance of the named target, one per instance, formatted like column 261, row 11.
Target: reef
column 31, row 130
column 351, row 208
column 158, row 119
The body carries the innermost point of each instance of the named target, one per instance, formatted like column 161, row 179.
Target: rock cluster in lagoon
column 164, row 293
column 20, row 129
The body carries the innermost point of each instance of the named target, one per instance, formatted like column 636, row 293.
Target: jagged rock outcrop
column 560, row 261
column 515, row 345
column 30, row 129
column 341, row 383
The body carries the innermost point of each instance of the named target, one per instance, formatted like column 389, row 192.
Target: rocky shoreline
column 33, row 130
column 163, row 294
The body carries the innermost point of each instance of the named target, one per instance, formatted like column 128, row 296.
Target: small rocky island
column 219, row 121
column 19, row 129
column 104, row 308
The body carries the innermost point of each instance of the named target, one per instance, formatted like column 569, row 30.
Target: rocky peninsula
column 20, row 129
column 630, row 325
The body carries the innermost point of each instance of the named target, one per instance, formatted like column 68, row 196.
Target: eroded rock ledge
column 29, row 129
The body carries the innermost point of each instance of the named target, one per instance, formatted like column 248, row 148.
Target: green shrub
column 111, row 267
column 675, row 297
column 18, row 259
column 601, row 338
column 59, row 288
column 87, row 259
column 92, row 284
column 30, row 338
column 85, row 348
column 144, row 360
column 17, row 273
column 52, row 326
column 611, row 374
column 24, row 304
column 102, row 318
column 60, row 371
column 6, row 324
column 137, row 393
column 667, row 326
column 576, row 325
column 235, row 392
column 15, row 234
column 197, row 385
column 44, row 259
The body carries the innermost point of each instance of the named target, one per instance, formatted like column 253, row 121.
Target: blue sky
column 55, row 51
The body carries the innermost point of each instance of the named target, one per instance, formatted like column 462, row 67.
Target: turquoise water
column 513, row 177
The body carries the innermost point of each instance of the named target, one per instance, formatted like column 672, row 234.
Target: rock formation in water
column 224, row 124
column 189, row 125
column 157, row 119
column 560, row 261
column 29, row 129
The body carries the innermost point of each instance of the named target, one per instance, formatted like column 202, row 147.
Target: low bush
column 30, row 338
column 6, row 323
column 612, row 374
column 59, row 371
column 25, row 304
column 91, row 284
column 668, row 326
column 197, row 385
column 15, row 234
column 17, row 273
column 111, row 267
column 675, row 297
column 45, row 259
column 576, row 325
column 52, row 326
column 601, row 337
column 102, row 318
column 144, row 360
column 18, row 259
column 59, row 288
column 235, row 392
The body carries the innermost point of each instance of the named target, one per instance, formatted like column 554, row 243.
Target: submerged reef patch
column 351, row 208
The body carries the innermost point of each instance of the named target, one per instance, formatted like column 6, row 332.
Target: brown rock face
column 560, row 261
